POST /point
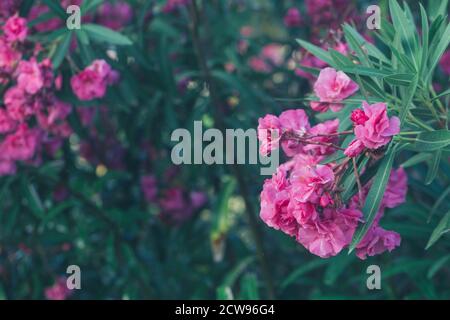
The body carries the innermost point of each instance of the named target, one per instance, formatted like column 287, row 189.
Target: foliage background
column 106, row 227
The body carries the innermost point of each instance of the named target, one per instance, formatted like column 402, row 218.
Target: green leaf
column 408, row 99
column 307, row 267
column 442, row 227
column 416, row 159
column 399, row 79
column 437, row 266
column 438, row 203
column 425, row 41
column 433, row 140
column 374, row 197
column 367, row 71
column 249, row 287
column 56, row 8
column 100, row 33
column 62, row 50
column 317, row 52
column 406, row 29
column 433, row 167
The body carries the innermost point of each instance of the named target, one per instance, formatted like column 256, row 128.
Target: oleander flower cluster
column 303, row 198
column 32, row 118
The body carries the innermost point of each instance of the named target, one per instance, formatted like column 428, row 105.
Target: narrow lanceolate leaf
column 433, row 140
column 400, row 79
column 317, row 52
column 62, row 50
column 56, row 8
column 442, row 228
column 433, row 167
column 425, row 41
column 408, row 99
column 416, row 159
column 405, row 28
column 107, row 35
column 374, row 197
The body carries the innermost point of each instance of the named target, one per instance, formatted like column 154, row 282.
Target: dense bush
column 87, row 179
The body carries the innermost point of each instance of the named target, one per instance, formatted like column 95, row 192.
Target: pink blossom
column 9, row 57
column 59, row 290
column 332, row 87
column 115, row 15
column 309, row 61
column 258, row 64
column 18, row 105
column 354, row 148
column 149, row 187
column 274, row 53
column 172, row 5
column 311, row 184
column 92, row 82
column 396, row 189
column 445, row 62
column 295, row 121
column 378, row 129
column 15, row 29
column 269, row 133
column 29, row 77
column 246, row 31
column 198, row 199
column 6, row 123
column 175, row 207
column 323, row 133
column 328, row 236
column 376, row 241
column 292, row 18
column 274, row 202
column 7, row 167
column 20, row 145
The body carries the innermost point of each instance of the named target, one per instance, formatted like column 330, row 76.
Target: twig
column 218, row 118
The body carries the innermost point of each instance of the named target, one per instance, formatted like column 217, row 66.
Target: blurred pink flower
column 92, row 82
column 149, row 187
column 445, row 62
column 15, row 29
column 30, row 77
column 274, row 53
column 58, row 291
column 397, row 187
column 115, row 15
column 293, row 18
column 259, row 64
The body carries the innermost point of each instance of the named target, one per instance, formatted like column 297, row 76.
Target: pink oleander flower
column 445, row 62
column 269, row 133
column 30, row 77
column 329, row 235
column 354, row 148
column 332, row 87
column 58, row 291
column 295, row 121
column 15, row 29
column 9, row 57
column 6, row 123
column 93, row 81
column 377, row 241
column 172, row 5
column 8, row 7
column 7, row 167
column 259, row 64
column 20, row 145
column 323, row 133
column 274, row 202
column 274, row 53
column 149, row 187
column 175, row 206
column 312, row 183
column 18, row 104
column 397, row 187
column 293, row 18
column 198, row 199
column 373, row 128
column 115, row 15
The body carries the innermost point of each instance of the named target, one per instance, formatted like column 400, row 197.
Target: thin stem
column 358, row 182
column 218, row 118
